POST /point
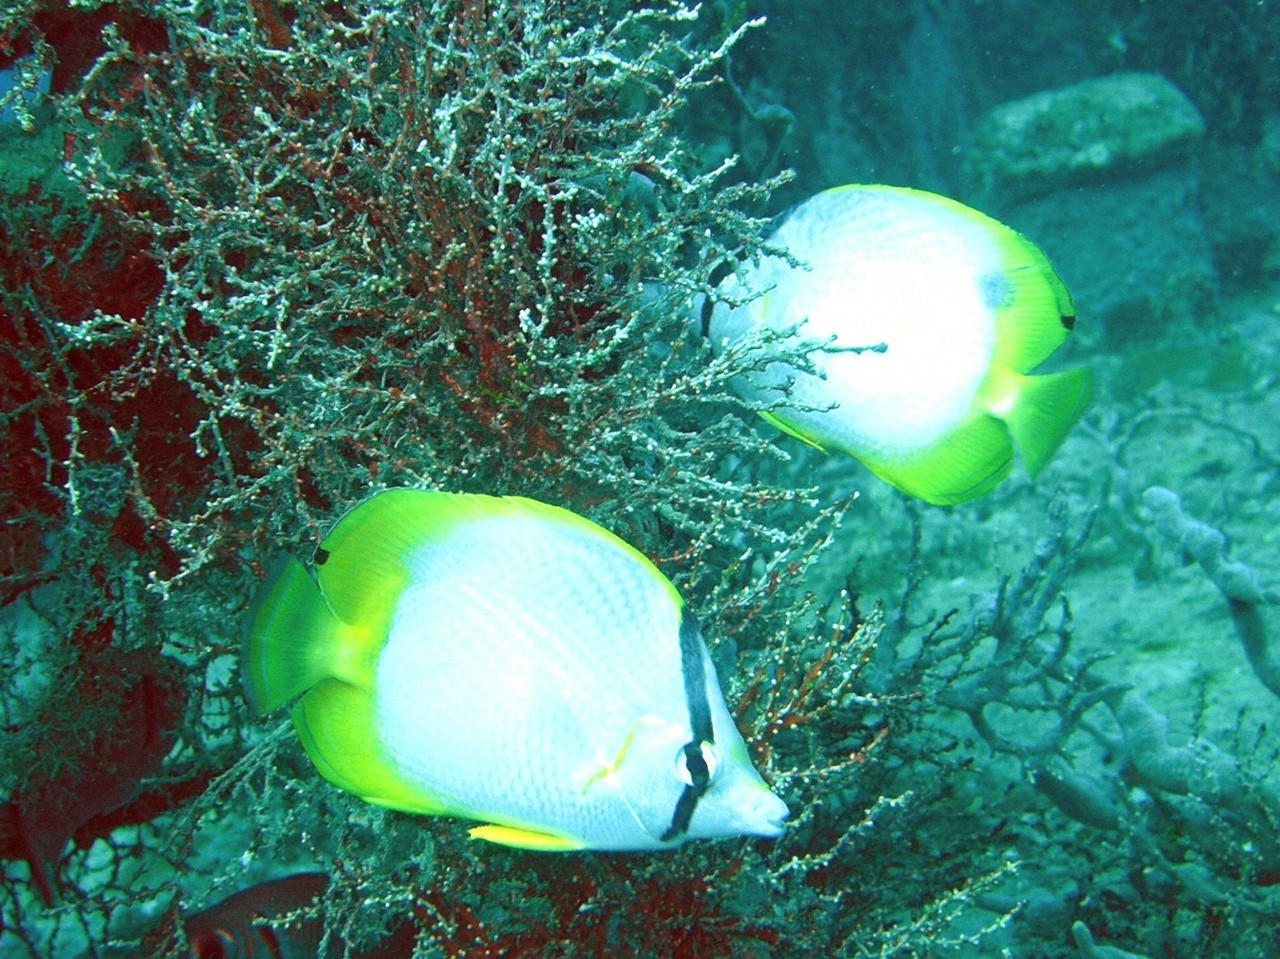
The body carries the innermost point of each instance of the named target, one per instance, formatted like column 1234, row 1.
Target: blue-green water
column 261, row 260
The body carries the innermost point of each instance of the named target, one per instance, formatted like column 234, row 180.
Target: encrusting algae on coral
column 452, row 247
column 376, row 265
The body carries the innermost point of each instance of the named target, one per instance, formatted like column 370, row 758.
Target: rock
column 1240, row 204
column 1125, row 123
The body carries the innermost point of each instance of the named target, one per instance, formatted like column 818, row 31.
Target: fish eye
column 696, row 763
column 215, row 944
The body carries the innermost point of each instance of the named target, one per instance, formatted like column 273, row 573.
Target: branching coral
column 383, row 244
column 1252, row 605
column 277, row 255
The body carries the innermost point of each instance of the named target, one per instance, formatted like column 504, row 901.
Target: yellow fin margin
column 335, row 722
column 1035, row 413
column 365, row 558
column 362, row 565
column 1037, row 314
column 564, row 517
column 967, row 462
column 773, row 420
column 1042, row 410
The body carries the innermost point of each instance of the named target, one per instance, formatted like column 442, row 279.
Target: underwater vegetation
column 263, row 259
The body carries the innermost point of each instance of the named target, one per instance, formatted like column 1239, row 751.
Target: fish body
column 931, row 317
column 283, row 918
column 506, row 661
column 249, row 924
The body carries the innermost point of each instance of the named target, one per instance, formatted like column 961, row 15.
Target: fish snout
column 765, row 815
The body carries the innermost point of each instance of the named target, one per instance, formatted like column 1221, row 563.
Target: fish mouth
column 770, row 820
column 775, row 827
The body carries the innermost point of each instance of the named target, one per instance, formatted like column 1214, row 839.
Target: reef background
column 260, row 258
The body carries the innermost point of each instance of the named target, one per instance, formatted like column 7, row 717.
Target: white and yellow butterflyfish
column 506, row 661
column 933, row 317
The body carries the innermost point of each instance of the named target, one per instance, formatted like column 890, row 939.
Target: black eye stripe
column 695, row 680
column 695, row 694
column 696, row 763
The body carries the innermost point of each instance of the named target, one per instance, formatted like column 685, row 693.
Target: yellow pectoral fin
column 964, row 464
column 335, row 722
column 773, row 421
column 604, row 772
column 527, row 838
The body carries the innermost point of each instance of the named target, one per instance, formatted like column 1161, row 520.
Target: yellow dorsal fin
column 1034, row 312
column 363, row 564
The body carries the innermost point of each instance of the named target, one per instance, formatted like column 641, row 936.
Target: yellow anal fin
column 1043, row 410
column 773, row 421
column 964, row 464
column 335, row 722
column 527, row 838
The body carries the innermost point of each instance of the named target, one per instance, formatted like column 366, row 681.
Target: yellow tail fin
column 1047, row 406
column 289, row 639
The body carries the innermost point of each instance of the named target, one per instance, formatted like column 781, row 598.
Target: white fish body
column 510, row 662
column 934, row 314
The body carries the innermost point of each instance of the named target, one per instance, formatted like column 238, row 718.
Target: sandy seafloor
column 1148, row 613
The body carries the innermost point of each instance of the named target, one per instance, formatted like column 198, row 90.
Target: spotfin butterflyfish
column 926, row 319
column 502, row 660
